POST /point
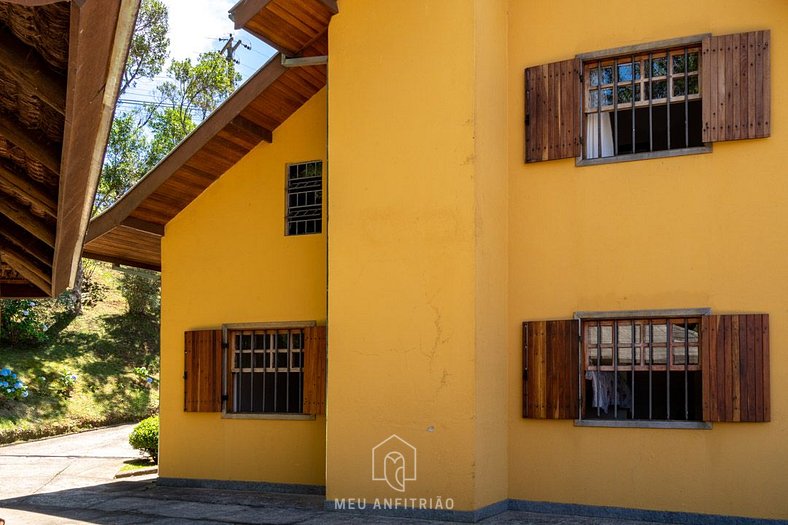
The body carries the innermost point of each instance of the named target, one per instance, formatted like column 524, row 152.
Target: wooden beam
column 42, row 273
column 27, row 220
column 35, row 76
column 34, row 147
column 143, row 226
column 124, row 262
column 245, row 10
column 24, row 241
column 99, row 35
column 26, row 189
column 258, row 131
column 222, row 116
column 26, row 269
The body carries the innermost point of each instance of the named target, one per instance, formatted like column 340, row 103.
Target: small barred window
column 304, row 198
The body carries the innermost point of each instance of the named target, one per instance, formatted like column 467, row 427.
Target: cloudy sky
column 195, row 27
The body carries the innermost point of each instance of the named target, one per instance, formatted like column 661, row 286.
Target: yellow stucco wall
column 225, row 259
column 415, row 234
column 704, row 230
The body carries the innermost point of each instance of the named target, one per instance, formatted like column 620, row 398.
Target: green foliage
column 145, row 437
column 11, row 387
column 64, row 385
column 94, row 290
column 144, row 377
column 149, row 46
column 101, row 347
column 22, row 322
column 169, row 126
column 124, row 163
column 200, row 86
column 142, row 291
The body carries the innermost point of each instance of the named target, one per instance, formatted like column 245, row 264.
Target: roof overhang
column 61, row 62
column 130, row 231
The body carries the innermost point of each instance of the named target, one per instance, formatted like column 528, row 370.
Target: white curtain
column 596, row 134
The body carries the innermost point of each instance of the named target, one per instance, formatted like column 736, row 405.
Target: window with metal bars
column 267, row 374
column 642, row 103
column 646, row 369
column 304, row 190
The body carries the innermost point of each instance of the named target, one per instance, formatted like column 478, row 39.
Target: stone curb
column 138, row 472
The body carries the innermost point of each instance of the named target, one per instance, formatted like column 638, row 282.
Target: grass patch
column 101, row 348
column 136, row 464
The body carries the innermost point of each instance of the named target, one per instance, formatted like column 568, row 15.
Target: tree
column 200, row 87
column 149, row 46
column 141, row 138
column 125, row 160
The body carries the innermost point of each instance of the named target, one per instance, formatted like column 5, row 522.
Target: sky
column 195, row 27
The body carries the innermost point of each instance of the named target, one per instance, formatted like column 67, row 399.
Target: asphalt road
column 61, row 463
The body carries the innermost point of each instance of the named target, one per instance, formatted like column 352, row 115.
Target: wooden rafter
column 25, row 66
column 143, row 226
column 26, row 189
column 27, row 220
column 26, row 268
column 33, row 146
column 20, row 238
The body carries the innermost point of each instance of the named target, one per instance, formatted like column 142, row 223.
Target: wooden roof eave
column 244, row 11
column 225, row 114
column 96, row 61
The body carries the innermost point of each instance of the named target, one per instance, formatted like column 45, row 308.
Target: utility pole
column 230, row 46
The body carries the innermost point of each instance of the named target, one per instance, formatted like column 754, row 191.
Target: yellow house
column 445, row 258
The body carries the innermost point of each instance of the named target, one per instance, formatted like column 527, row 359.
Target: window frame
column 289, row 212
column 638, row 49
column 585, row 316
column 227, row 369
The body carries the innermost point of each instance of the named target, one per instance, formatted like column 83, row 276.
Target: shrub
column 21, row 322
column 64, row 385
column 142, row 291
column 10, row 386
column 145, row 437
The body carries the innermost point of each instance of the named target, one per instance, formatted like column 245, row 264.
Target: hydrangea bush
column 11, row 387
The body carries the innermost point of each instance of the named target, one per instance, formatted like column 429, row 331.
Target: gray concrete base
column 250, row 486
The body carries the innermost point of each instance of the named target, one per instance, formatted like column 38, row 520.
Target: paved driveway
column 70, row 480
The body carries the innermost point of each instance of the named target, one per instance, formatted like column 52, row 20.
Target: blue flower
column 3, row 383
column 25, row 394
column 4, row 372
column 19, row 384
column 149, row 380
column 25, row 312
column 73, row 377
column 13, row 376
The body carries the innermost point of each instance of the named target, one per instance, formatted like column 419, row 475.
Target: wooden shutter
column 552, row 111
column 736, row 86
column 550, row 369
column 315, row 370
column 203, row 371
column 735, row 367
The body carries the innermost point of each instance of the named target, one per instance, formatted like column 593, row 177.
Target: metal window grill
column 652, row 365
column 643, row 92
column 267, row 371
column 304, row 198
